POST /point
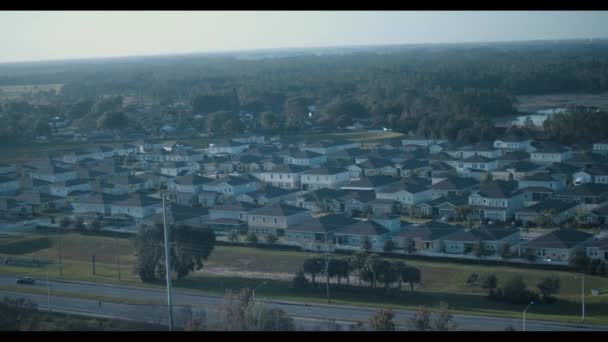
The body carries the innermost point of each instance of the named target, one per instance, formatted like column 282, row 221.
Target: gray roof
column 521, row 166
column 542, row 177
column 192, row 180
column 586, row 190
column 236, row 206
column 288, row 168
column 376, row 163
column 559, row 238
column 477, row 159
column 279, row 209
column 369, row 228
column 549, row 204
column 323, row 224
column 373, row 181
column 232, row 180
column 455, row 183
column 324, row 171
column 432, row 230
column 138, row 201
column 409, row 187
column 498, row 189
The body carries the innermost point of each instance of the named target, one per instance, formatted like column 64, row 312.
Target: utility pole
column 117, row 254
column 167, row 267
column 327, row 268
column 60, row 259
column 583, row 296
column 48, row 289
column 93, row 263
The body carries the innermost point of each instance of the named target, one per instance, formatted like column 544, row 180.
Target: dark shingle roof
column 192, row 180
column 323, row 224
column 375, row 163
column 373, row 181
column 236, row 206
column 138, row 201
column 431, row 230
column 279, row 209
column 546, row 205
column 498, row 189
column 560, row 238
column 477, row 159
column 289, row 168
column 455, row 183
column 409, row 187
column 324, row 171
column 586, row 190
column 363, row 228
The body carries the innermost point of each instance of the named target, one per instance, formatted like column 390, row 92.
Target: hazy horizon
column 67, row 35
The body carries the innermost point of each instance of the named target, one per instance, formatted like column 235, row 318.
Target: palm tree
column 398, row 268
column 358, row 262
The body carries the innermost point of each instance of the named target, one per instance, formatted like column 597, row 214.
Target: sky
column 52, row 35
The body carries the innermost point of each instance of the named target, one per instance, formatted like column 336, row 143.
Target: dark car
column 25, row 280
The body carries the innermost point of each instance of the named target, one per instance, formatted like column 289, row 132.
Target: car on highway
column 26, row 280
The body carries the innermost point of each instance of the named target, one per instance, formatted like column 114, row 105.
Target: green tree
column 478, row 249
column 411, row 275
column 233, row 236
column 252, row 237
column 490, row 283
column 65, row 222
column 358, row 262
column 313, row 266
column 382, row 320
column 366, row 244
column 276, row 319
column 148, row 250
column 409, row 245
column 548, row 286
column 389, row 246
column 443, row 319
column 580, row 260
column 299, row 281
column 514, row 290
column 421, row 321
column 505, row 250
column 271, row 239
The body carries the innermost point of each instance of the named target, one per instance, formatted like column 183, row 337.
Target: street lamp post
column 524, row 321
column 253, row 292
column 48, row 289
column 582, row 297
column 167, row 267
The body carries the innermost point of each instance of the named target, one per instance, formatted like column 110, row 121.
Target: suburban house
column 304, row 158
column 276, row 218
column 551, row 209
column 356, row 201
column 587, row 159
column 484, row 149
column 427, row 236
column 598, row 249
column 550, row 153
column 601, row 147
column 324, row 199
column 227, row 148
column 586, row 193
column 232, row 210
column 445, row 207
column 187, row 188
column 496, row 200
column 377, row 166
column 267, row 195
column 405, row 193
column 65, row 189
column 453, row 185
column 316, row 231
column 563, row 169
column 187, row 156
column 13, row 209
column 513, row 142
column 598, row 215
column 593, row 174
column 96, row 203
column 354, row 234
column 283, row 176
column 381, row 206
column 440, row 171
column 54, row 174
column 126, row 184
column 9, row 185
column 175, row 169
column 137, row 206
column 476, row 162
column 543, row 179
column 180, row 214
column 232, row 185
column 491, row 237
column 515, row 171
column 324, row 177
column 377, row 183
column 512, row 157
column 411, row 167
column 41, row 202
column 557, row 245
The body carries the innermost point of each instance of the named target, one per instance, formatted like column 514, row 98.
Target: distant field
column 533, row 103
column 362, row 137
column 10, row 92
column 235, row 267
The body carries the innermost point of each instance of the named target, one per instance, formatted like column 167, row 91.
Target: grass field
column 11, row 92
column 440, row 280
column 532, row 103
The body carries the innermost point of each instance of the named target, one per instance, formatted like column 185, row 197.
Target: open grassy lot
column 440, row 280
column 362, row 137
column 532, row 103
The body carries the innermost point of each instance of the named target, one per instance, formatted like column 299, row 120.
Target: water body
column 538, row 117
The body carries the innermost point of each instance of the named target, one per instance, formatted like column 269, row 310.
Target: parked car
column 26, row 280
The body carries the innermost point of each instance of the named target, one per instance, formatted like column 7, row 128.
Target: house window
column 275, row 220
column 263, row 220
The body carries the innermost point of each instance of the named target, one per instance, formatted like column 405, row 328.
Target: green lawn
column 440, row 280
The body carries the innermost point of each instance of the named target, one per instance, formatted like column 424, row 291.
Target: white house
column 511, row 143
column 228, row 148
column 64, row 189
column 137, row 206
column 9, row 185
column 405, row 193
column 54, row 174
column 496, row 200
column 558, row 245
column 276, row 218
column 178, row 168
column 594, row 174
column 324, row 177
column 304, row 158
column 231, row 185
column 477, row 162
column 549, row 153
column 283, row 176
